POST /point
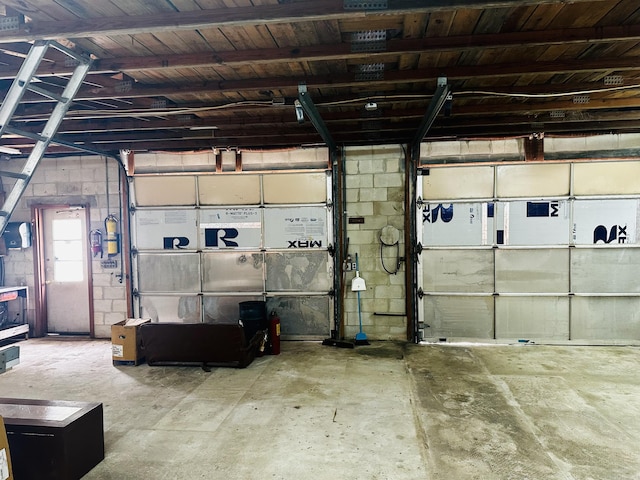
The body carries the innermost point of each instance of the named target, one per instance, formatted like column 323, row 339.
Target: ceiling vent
column 370, row 71
column 613, row 80
column 360, row 5
column 369, row 41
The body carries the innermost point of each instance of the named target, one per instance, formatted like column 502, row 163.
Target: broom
column 358, row 285
column 336, row 339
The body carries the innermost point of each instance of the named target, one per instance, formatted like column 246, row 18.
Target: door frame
column 40, row 328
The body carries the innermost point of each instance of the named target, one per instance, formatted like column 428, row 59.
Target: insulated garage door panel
column 532, row 271
column 458, row 270
column 172, row 272
column 610, row 270
column 295, row 188
column 532, row 317
column 535, row 180
column 605, row 318
column 457, row 224
column 605, row 178
column 166, row 229
column 165, row 191
column 303, row 316
column 230, row 228
column 459, row 316
column 224, row 309
column 229, row 190
column 164, row 308
column 457, row 183
column 232, row 272
column 295, row 227
column 298, row 271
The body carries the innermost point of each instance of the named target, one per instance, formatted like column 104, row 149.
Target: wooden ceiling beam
column 390, row 77
column 238, row 16
column 499, row 112
column 137, row 90
column 327, row 52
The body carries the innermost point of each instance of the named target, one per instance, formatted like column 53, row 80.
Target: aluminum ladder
column 26, row 81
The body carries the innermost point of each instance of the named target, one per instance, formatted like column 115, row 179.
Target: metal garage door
column 530, row 251
column 204, row 243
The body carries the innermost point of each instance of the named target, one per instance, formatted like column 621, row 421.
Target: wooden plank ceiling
column 199, row 74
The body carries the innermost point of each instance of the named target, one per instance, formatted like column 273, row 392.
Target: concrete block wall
column 73, row 181
column 375, row 186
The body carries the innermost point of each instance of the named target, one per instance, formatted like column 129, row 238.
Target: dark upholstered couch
column 205, row 344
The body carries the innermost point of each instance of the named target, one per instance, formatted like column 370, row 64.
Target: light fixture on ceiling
column 370, row 106
column 203, row 127
column 10, row 151
column 299, row 111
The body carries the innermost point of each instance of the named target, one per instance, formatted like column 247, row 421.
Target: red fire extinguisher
column 96, row 242
column 274, row 334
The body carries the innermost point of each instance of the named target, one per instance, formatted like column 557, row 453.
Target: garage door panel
column 532, row 317
column 165, row 190
column 296, row 227
column 301, row 316
column 224, row 228
column 298, row 271
column 224, row 309
column 534, row 271
column 457, row 224
column 534, row 180
column 229, row 190
column 164, row 308
column 229, row 272
column 295, row 188
column 601, row 178
column 458, row 270
column 459, row 316
column 605, row 270
column 605, row 318
column 166, row 229
column 607, row 221
column 179, row 272
column 457, row 183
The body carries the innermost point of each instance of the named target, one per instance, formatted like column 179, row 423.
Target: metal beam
column 314, row 116
column 433, row 110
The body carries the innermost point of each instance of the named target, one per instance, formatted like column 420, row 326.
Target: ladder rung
column 47, row 93
column 20, row 175
column 70, row 53
column 23, row 133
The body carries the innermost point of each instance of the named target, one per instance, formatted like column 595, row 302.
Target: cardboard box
column 5, row 459
column 126, row 342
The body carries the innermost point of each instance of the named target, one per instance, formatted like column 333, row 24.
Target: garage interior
column 475, row 162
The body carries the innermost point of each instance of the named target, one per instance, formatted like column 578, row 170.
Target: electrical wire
column 397, row 259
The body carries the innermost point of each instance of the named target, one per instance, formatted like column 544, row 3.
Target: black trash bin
column 253, row 315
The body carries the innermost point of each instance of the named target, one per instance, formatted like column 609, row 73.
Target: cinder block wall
column 375, row 188
column 73, row 181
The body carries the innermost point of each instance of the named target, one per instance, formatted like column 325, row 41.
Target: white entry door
column 66, row 271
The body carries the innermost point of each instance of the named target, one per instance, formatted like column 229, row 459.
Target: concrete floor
column 385, row 411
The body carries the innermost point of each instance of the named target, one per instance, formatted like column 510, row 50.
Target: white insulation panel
column 605, row 178
column 165, row 191
column 533, row 180
column 295, row 188
column 229, row 189
column 166, row 229
column 457, row 183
